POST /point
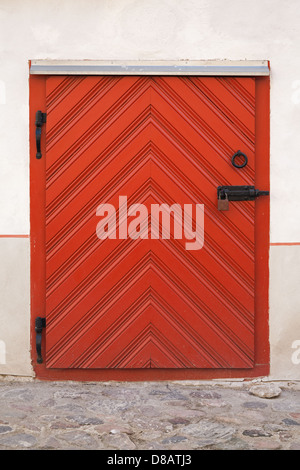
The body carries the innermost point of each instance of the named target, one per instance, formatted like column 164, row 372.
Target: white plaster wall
column 155, row 29
column 285, row 311
column 14, row 306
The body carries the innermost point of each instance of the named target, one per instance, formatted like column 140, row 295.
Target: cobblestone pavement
column 147, row 415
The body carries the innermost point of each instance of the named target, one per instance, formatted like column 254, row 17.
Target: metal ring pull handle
column 239, row 154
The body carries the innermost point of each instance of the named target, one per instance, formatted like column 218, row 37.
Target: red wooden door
column 146, row 302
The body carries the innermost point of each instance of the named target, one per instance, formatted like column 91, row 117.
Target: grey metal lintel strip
column 246, row 68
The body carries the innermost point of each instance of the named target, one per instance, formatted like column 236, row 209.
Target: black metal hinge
column 40, row 119
column 40, row 323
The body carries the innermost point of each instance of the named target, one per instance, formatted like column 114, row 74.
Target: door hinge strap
column 40, row 119
column 40, row 323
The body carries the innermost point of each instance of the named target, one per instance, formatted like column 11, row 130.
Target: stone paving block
column 18, row 441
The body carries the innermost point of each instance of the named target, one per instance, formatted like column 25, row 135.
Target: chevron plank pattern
column 148, row 303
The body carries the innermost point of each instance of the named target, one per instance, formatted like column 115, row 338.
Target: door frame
column 39, row 70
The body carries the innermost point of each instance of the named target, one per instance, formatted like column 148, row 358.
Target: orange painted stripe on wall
column 285, row 244
column 14, row 236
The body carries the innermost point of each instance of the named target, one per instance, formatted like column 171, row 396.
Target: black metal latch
column 40, row 119
column 40, row 323
column 237, row 193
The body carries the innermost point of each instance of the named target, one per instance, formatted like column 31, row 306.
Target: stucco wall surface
column 149, row 30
